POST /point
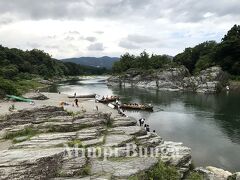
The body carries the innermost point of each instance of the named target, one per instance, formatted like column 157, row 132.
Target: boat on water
column 108, row 99
column 137, row 107
column 17, row 98
column 83, row 96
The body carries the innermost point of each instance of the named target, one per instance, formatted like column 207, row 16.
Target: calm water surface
column 208, row 124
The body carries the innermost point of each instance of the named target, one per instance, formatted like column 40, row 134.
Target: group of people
column 109, row 97
column 135, row 105
column 146, row 126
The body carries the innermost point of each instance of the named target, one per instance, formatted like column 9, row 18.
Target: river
column 208, row 124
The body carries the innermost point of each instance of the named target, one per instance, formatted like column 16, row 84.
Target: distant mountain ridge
column 104, row 61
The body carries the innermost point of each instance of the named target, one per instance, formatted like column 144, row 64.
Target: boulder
column 36, row 96
column 235, row 176
column 213, row 173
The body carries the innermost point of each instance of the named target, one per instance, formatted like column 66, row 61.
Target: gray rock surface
column 36, row 96
column 210, row 80
column 45, row 155
column 213, row 173
column 122, row 169
column 30, row 164
column 235, row 176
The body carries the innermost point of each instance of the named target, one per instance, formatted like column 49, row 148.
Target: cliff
column 211, row 80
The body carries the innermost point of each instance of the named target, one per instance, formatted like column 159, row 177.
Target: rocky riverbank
column 49, row 142
column 42, row 155
column 211, row 80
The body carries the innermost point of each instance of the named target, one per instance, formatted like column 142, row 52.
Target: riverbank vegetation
column 210, row 53
column 20, row 69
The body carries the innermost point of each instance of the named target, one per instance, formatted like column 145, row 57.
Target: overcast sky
column 73, row 28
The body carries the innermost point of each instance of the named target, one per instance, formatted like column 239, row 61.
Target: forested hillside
column 18, row 68
column 225, row 54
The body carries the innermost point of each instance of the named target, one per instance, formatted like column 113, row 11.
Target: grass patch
column 159, row 172
column 85, row 171
column 18, row 86
column 75, row 114
column 75, row 143
column 30, row 132
column 194, row 176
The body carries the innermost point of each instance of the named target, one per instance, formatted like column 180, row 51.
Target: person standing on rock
column 147, row 128
column 76, row 102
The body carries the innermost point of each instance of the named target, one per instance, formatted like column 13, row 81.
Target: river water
column 208, row 124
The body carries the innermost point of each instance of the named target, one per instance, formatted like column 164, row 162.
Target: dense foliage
column 18, row 68
column 226, row 54
column 15, row 61
column 144, row 61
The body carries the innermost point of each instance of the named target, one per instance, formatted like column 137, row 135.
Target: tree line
column 144, row 62
column 15, row 62
column 210, row 53
column 18, row 68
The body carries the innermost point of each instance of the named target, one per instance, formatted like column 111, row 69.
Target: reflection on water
column 209, row 124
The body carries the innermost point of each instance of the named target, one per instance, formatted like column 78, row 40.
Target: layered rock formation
column 210, row 80
column 105, row 147
column 48, row 153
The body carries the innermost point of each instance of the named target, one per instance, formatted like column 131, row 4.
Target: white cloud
column 75, row 27
column 96, row 47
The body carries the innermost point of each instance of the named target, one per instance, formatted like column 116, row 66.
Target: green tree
column 228, row 51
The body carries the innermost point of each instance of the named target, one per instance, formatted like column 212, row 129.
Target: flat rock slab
column 30, row 164
column 93, row 142
column 72, row 166
column 89, row 122
column 46, row 140
column 123, row 168
column 129, row 130
column 114, row 140
column 89, row 133
column 123, row 121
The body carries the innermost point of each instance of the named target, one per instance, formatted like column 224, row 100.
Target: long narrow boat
column 83, row 96
column 17, row 98
column 108, row 100
column 137, row 107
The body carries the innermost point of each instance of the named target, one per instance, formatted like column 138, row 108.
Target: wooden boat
column 137, row 107
column 17, row 98
column 107, row 100
column 83, row 96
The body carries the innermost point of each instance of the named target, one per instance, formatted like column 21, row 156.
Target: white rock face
column 235, row 176
column 210, row 80
column 213, row 173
